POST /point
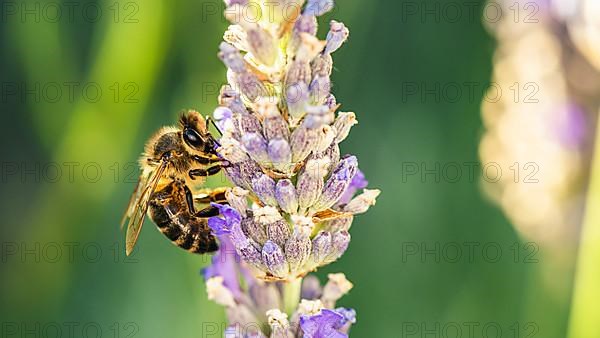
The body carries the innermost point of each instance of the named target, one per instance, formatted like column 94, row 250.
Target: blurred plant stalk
column 586, row 296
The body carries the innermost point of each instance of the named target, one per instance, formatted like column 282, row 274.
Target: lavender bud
column 249, row 171
column 274, row 126
column 305, row 24
column 274, row 259
column 218, row 293
column 232, row 58
column 232, row 150
column 285, row 193
column 338, row 183
column 230, row 98
column 234, row 174
column 262, row 45
column 264, row 189
column 245, row 248
column 310, row 47
column 326, row 136
column 336, row 287
column 331, row 102
column 278, row 232
column 311, row 288
column 237, row 199
column 361, row 203
column 322, row 65
column 299, row 72
column 266, row 215
column 319, row 89
column 280, row 154
column 343, row 123
column 254, row 230
column 222, row 115
column 249, row 123
column 265, row 295
column 340, row 242
column 297, row 98
column 303, row 141
column 249, row 85
column 280, row 326
column 310, row 183
column 297, row 250
column 236, row 36
column 333, row 153
column 318, row 7
column 338, row 34
column 321, row 247
column 230, row 3
column 256, row 146
column 340, row 224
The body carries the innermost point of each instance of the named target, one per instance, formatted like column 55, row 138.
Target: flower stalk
column 291, row 295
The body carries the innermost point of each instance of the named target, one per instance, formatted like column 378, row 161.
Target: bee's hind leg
column 215, row 195
column 209, row 211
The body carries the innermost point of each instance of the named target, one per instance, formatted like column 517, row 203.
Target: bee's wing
column 137, row 210
column 135, row 196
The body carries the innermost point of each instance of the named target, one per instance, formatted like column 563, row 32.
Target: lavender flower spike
column 294, row 197
column 282, row 138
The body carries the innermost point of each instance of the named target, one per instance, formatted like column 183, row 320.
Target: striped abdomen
column 169, row 211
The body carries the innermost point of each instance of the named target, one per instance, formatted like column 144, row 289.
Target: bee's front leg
column 206, row 160
column 194, row 173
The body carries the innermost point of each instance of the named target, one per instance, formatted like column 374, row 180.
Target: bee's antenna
column 211, row 121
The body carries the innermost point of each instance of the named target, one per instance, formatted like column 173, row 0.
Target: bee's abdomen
column 184, row 230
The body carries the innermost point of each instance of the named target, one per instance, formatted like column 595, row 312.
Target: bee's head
column 195, row 132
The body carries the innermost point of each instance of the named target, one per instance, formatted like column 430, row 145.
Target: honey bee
column 175, row 159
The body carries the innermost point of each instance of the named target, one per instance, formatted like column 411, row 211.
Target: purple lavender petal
column 338, row 34
column 338, row 183
column 222, row 226
column 221, row 116
column 318, row 7
column 232, row 58
column 358, row 182
column 225, row 264
column 323, row 325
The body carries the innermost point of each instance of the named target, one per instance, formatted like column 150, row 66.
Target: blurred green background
column 153, row 58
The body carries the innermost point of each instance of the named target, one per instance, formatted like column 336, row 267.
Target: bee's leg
column 206, row 159
column 209, row 211
column 216, row 195
column 204, row 172
column 189, row 199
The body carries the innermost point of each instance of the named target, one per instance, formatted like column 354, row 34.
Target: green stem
column 585, row 309
column 291, row 295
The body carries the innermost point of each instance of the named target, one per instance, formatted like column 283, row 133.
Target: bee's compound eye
column 192, row 138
